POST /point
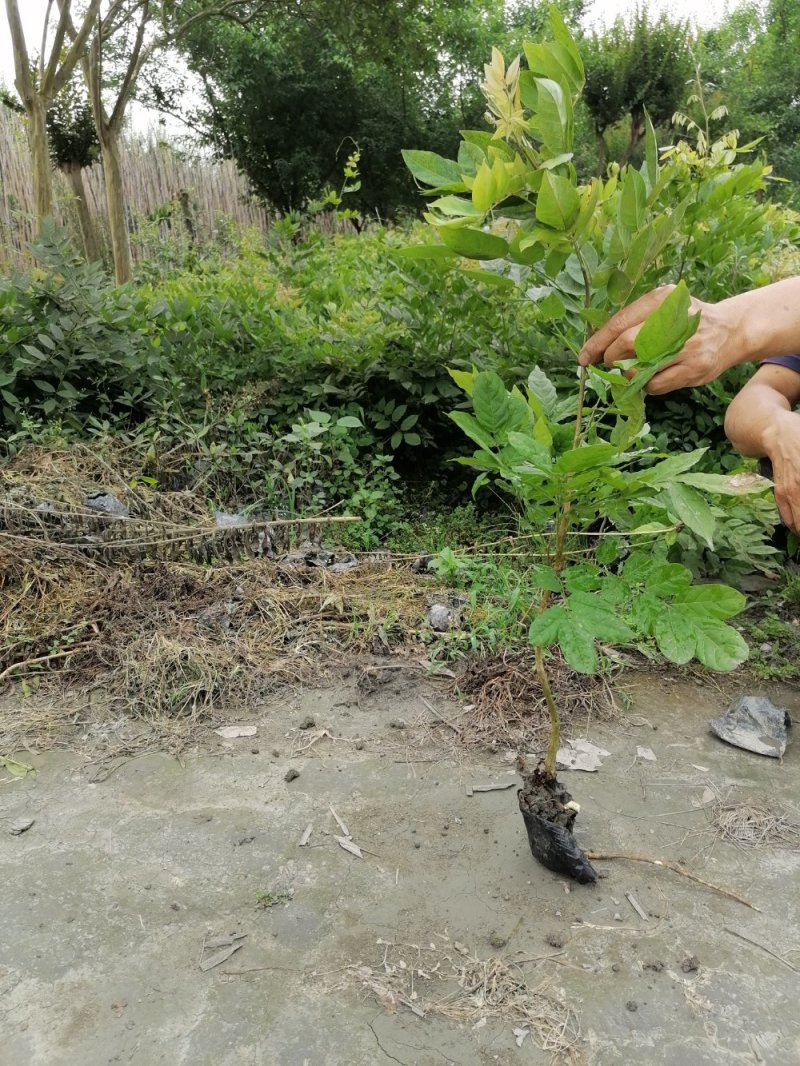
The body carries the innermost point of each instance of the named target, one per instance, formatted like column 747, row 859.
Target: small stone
column 254, row 751
column 308, row 722
column 617, row 917
column 359, row 745
column 147, row 887
column 766, row 649
column 615, row 968
column 291, row 775
column 632, row 1005
column 497, row 940
column 555, row 940
column 175, row 906
column 690, row 964
column 398, row 723
column 417, row 844
column 22, row 825
column 275, row 753
column 438, row 618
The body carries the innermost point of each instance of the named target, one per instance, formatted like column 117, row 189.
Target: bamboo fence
column 174, row 202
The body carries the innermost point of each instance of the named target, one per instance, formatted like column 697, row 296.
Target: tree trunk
column 40, row 156
column 602, row 155
column 637, row 133
column 74, row 174
column 115, row 200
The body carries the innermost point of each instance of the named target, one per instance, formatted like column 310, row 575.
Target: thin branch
column 667, row 864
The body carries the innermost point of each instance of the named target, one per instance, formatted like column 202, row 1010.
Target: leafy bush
column 71, row 346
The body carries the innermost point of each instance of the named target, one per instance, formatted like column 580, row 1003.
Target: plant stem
column 552, row 710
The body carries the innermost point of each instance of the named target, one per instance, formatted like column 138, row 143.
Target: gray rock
column 755, row 724
column 22, row 825
column 439, row 617
column 105, row 503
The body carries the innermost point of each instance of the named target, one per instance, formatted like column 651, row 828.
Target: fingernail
column 583, row 358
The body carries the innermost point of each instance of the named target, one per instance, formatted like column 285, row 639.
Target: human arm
column 744, row 328
column 760, row 422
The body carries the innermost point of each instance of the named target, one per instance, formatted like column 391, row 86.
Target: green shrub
column 71, row 345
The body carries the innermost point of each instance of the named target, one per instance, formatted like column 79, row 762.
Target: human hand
column 705, row 356
column 782, row 444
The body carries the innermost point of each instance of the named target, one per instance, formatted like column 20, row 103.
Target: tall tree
column 633, row 67
column 126, row 36
column 288, row 94
column 74, row 146
column 39, row 83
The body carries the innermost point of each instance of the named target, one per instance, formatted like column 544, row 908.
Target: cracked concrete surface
column 107, row 899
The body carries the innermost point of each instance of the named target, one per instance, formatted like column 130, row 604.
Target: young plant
column 602, row 506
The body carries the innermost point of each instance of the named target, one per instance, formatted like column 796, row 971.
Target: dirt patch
column 125, row 883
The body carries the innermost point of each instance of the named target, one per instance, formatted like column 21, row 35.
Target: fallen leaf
column 520, row 1035
column 221, row 956
column 348, row 845
column 646, row 753
column 233, row 732
column 15, row 768
column 581, row 755
column 702, row 769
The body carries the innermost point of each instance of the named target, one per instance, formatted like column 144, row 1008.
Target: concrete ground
column 108, row 898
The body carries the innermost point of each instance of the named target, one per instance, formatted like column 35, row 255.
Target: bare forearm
column 765, row 322
column 754, row 419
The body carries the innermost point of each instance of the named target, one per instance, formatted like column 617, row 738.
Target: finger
column 677, row 376
column 784, row 503
column 623, row 347
column 632, row 315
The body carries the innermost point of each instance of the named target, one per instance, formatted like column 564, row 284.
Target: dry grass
column 753, row 824
column 508, row 705
column 447, row 980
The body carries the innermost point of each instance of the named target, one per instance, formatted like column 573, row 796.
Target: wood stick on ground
column 603, row 856
column 40, row 660
column 456, row 728
column 758, row 944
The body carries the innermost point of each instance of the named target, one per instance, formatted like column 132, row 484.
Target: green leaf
column 545, row 577
column 491, row 403
column 689, row 506
column 456, row 206
column 717, row 645
column 349, row 422
column 469, row 425
column 582, row 577
column 724, row 485
column 599, row 617
column 553, row 117
column 675, row 640
column 558, row 203
column 577, row 645
column 667, row 329
column 545, row 628
column 531, row 451
column 670, row 468
column 540, row 385
column 413, row 439
column 396, row 441
column 608, row 550
column 586, row 457
column 425, row 251
column 650, row 165
column 618, row 286
column 633, row 200
column 432, row 169
column 721, row 601
column 474, row 243
column 483, row 189
column 465, row 379
column 668, row 579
